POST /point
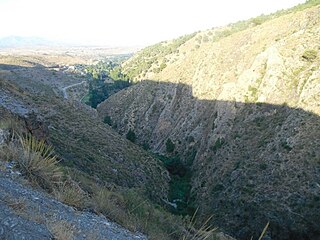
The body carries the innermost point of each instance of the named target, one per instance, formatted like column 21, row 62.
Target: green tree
column 170, row 146
column 95, row 74
column 131, row 136
column 107, row 120
column 115, row 73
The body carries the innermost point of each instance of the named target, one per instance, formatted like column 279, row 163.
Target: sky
column 124, row 22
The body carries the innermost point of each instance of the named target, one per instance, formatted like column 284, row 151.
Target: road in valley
column 64, row 90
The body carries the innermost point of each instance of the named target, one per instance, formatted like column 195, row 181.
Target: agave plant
column 38, row 162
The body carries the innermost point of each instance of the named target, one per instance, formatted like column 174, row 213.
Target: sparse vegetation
column 243, row 25
column 139, row 214
column 151, row 57
column 129, row 207
column 148, row 59
column 310, row 55
column 61, row 230
column 112, row 176
column 69, row 192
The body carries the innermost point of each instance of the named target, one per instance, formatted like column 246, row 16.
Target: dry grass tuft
column 61, row 230
column 205, row 231
column 10, row 128
column 112, row 205
column 9, row 151
column 17, row 205
column 13, row 124
column 38, row 162
column 70, row 193
column 264, row 231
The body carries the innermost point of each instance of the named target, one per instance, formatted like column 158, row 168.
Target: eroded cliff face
column 244, row 111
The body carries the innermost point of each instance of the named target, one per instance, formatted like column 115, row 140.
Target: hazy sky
column 125, row 22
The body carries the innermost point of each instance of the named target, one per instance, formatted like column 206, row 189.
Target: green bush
column 218, row 144
column 107, row 120
column 286, row 146
column 162, row 66
column 170, row 146
column 131, row 136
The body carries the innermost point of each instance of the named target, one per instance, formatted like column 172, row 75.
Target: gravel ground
column 26, row 213
column 13, row 104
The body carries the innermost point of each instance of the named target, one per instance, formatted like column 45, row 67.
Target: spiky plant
column 38, row 162
column 204, row 232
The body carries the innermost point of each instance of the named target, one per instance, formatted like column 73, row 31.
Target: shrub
column 146, row 146
column 162, row 66
column 263, row 166
column 259, row 20
column 38, row 162
column 170, row 146
column 202, row 232
column 107, row 120
column 9, row 152
column 13, row 126
column 286, row 146
column 205, row 38
column 61, row 230
column 131, row 136
column 112, row 205
column 218, row 144
column 310, row 55
column 70, row 193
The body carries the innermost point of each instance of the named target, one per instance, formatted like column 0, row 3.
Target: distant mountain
column 18, row 41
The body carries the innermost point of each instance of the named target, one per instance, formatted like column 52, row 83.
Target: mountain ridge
column 244, row 110
column 19, row 41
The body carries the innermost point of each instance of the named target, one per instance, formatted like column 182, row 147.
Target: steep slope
column 29, row 214
column 84, row 144
column 242, row 108
column 102, row 171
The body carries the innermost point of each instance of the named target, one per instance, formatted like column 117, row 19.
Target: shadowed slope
column 251, row 163
column 241, row 107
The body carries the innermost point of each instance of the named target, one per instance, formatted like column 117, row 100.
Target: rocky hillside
column 240, row 106
column 31, row 90
column 29, row 214
column 83, row 143
column 98, row 170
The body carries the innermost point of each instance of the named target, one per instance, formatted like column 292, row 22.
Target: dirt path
column 64, row 90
